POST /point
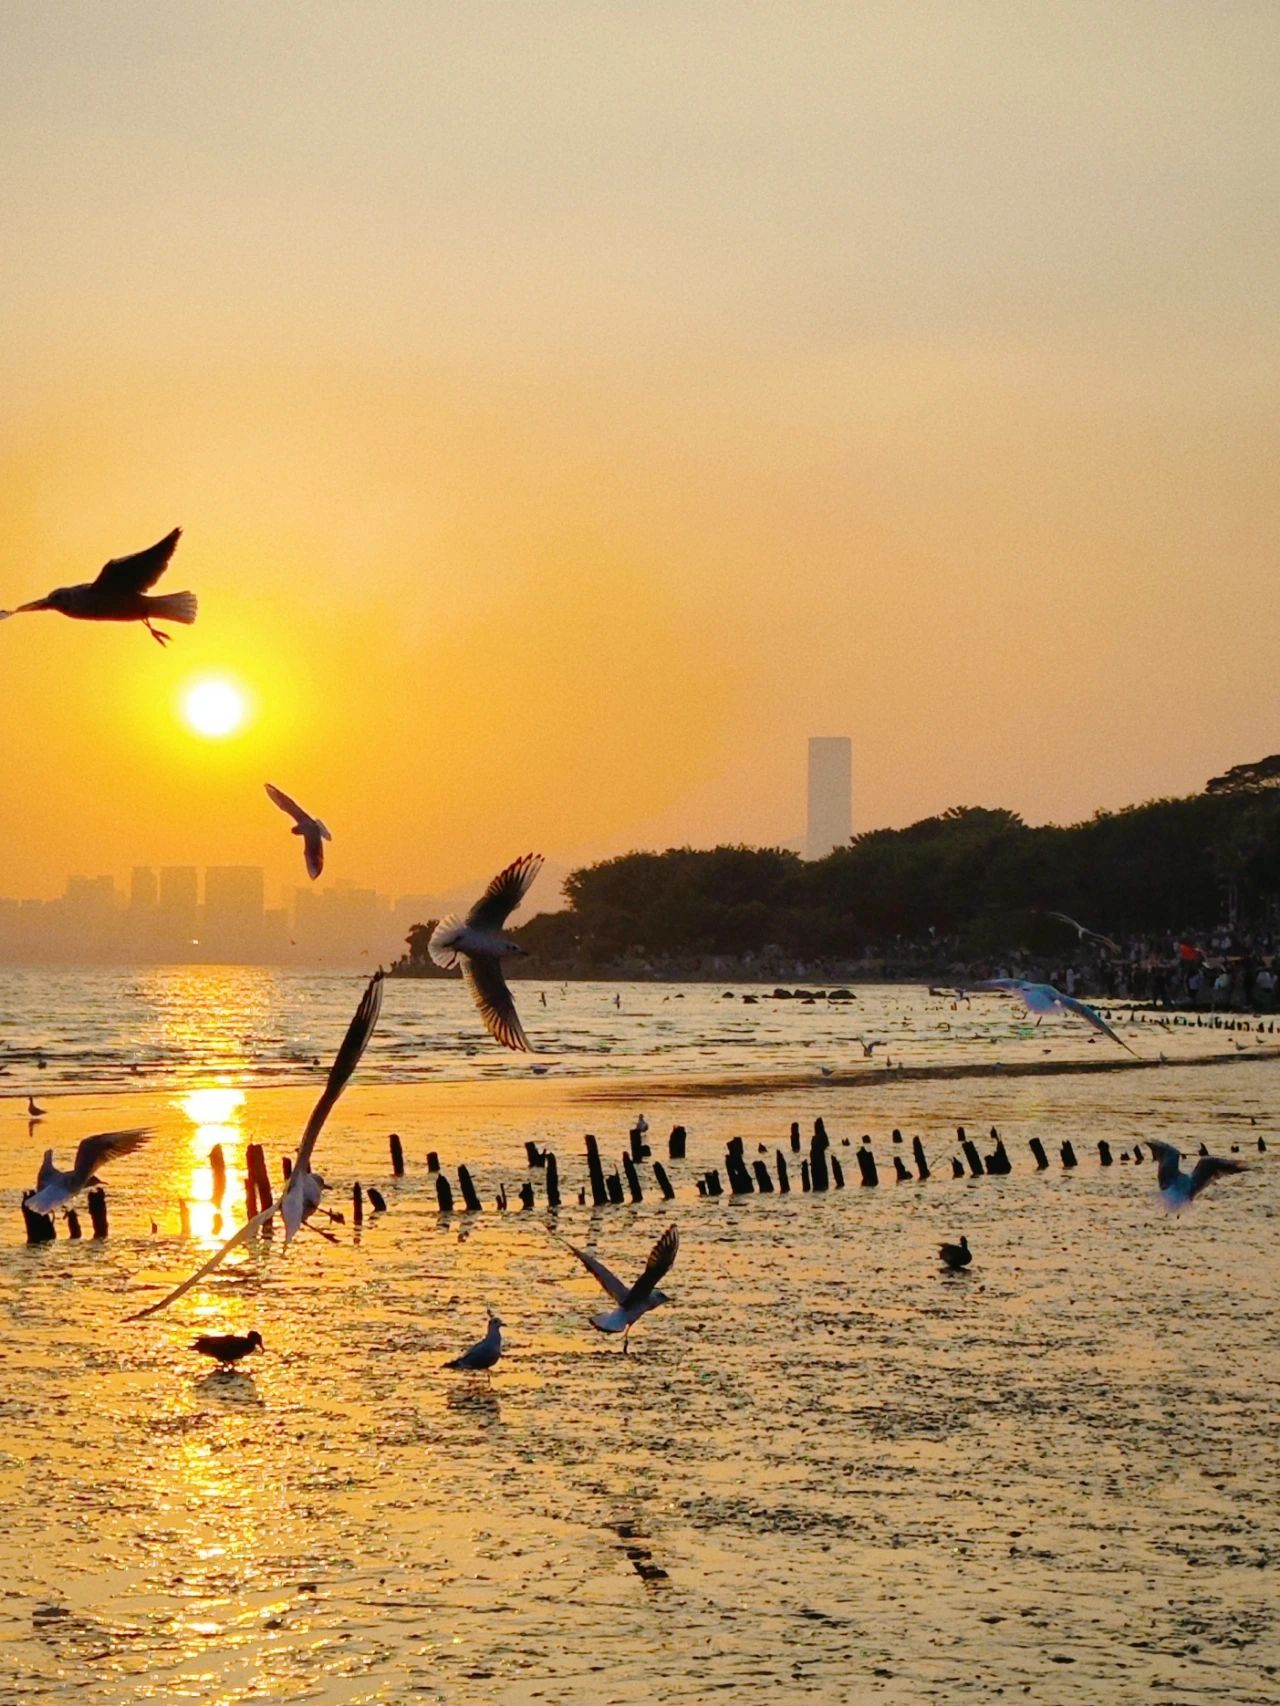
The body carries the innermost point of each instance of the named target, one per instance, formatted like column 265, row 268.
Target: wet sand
column 827, row 1472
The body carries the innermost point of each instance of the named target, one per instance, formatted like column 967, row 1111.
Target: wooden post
column 867, row 1166
column 73, row 1224
column 286, row 1167
column 613, row 1185
column 818, row 1164
column 397, row 1155
column 820, row 1131
column 1104, row 1152
column 957, row 1167
column 218, row 1167
column 250, row 1196
column 734, row 1165
column 639, row 1148
column 633, row 1179
column 526, row 1195
column 763, row 1180
column 837, row 1174
column 599, row 1196
column 97, row 1205
column 256, row 1166
column 1068, row 1154
column 357, row 1204
column 552, row 1167
column 377, row 1202
column 433, row 1161
column 468, row 1190
column 500, row 1201
column 1037, row 1149
column 40, row 1227
column 702, row 1187
column 714, row 1187
column 897, row 1135
column 533, row 1152
column 795, row 1137
column 784, row 1181
column 806, row 1181
column 676, row 1143
column 998, row 1163
column 444, row 1194
column 664, row 1184
column 901, row 1170
column 922, row 1165
column 1137, row 1151
column 971, row 1156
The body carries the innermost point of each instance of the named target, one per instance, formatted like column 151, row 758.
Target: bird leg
column 155, row 633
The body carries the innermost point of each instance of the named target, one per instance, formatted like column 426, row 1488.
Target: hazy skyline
column 570, row 409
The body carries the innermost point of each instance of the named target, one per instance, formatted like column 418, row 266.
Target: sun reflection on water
column 214, row 1112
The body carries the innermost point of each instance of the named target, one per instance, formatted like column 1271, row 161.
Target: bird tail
column 441, row 946
column 173, row 607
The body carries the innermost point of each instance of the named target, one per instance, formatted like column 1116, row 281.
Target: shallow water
column 826, row 1472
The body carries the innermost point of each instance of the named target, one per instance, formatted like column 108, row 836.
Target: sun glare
column 214, row 708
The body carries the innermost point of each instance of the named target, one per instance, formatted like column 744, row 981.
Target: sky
column 570, row 408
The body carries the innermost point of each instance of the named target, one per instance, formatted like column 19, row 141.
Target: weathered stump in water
column 1104, row 1152
column 764, row 1182
column 1037, row 1149
column 867, row 1166
column 397, row 1155
column 806, row 1181
column 468, row 1190
column 998, row 1163
column 1068, row 1154
column 714, row 1187
column 218, row 1167
column 40, row 1227
column 957, row 1167
column 639, row 1148
column 971, row 1156
column 901, row 1170
column 73, row 1224
column 613, row 1185
column 599, row 1196
column 552, row 1169
column 922, row 1165
column 377, row 1202
column 444, row 1194
column 534, row 1154
column 633, row 1179
column 818, row 1179
column 433, row 1161
column 795, row 1137
column 526, row 1195
column 255, row 1162
column 784, row 1181
column 664, row 1183
column 837, row 1174
column 96, row 1202
column 676, row 1143
column 357, row 1205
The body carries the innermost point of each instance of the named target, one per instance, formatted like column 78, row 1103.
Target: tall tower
column 830, row 822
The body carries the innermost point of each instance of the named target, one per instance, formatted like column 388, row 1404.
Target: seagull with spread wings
column 631, row 1301
column 313, row 832
column 1177, row 1188
column 1042, row 998
column 54, row 1188
column 1083, row 932
column 302, row 1194
column 478, row 945
column 119, row 594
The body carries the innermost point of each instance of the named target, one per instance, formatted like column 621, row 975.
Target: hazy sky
column 572, row 407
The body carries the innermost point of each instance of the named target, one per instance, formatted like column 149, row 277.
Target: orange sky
column 572, row 407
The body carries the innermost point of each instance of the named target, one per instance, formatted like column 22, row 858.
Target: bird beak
column 36, row 604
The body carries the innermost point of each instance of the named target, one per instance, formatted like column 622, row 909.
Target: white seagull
column 869, row 1048
column 1178, row 1188
column 55, row 1188
column 313, row 832
column 636, row 1300
column 484, row 1353
column 1043, row 998
column 1083, row 931
column 478, row 946
column 302, row 1194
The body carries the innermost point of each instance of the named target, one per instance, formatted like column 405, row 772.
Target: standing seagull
column 1043, row 998
column 303, row 1192
column 956, row 1256
column 227, row 1348
column 119, row 593
column 1178, row 1188
column 313, row 832
column 479, row 945
column 55, row 1188
column 484, row 1353
column 34, row 1111
column 635, row 1300
column 1083, row 932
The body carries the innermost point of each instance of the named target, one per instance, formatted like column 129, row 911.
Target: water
column 827, row 1472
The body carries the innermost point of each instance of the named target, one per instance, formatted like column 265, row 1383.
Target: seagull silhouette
column 34, row 1112
column 1178, row 1189
column 119, row 592
column 956, row 1256
column 632, row 1301
column 1083, row 931
column 478, row 945
column 55, row 1188
column 484, row 1353
column 313, row 832
column 227, row 1348
column 302, row 1194
column 1043, row 998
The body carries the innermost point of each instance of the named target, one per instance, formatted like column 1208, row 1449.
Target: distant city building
column 830, row 817
column 234, row 911
column 144, row 890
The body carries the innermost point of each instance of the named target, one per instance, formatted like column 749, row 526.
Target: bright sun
column 214, row 708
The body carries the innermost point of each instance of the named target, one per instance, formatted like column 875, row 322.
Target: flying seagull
column 1178, row 1188
column 869, row 1048
column 484, row 1353
column 120, row 592
column 302, row 1194
column 227, row 1348
column 55, row 1188
column 478, row 946
column 1043, row 998
column 636, row 1300
column 956, row 1256
column 1083, row 931
column 313, row 832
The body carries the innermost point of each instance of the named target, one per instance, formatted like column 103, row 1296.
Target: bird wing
column 48, row 1172
column 140, row 571
column 1167, row 1159
column 344, row 1064
column 504, row 893
column 1069, row 1004
column 313, row 851
column 1066, row 918
column 1211, row 1167
column 660, row 1259
column 95, row 1152
column 282, row 799
column 482, row 974
column 610, row 1281
column 215, row 1261
column 1010, row 985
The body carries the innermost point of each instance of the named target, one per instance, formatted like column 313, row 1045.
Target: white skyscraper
column 830, row 822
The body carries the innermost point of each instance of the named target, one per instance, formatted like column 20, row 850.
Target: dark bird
column 484, row 1353
column 632, row 1301
column 313, row 832
column 1083, row 932
column 34, row 1112
column 478, row 946
column 54, row 1188
column 227, row 1348
column 1178, row 1188
column 120, row 592
column 956, row 1256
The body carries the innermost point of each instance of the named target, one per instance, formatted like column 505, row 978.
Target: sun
column 214, row 707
